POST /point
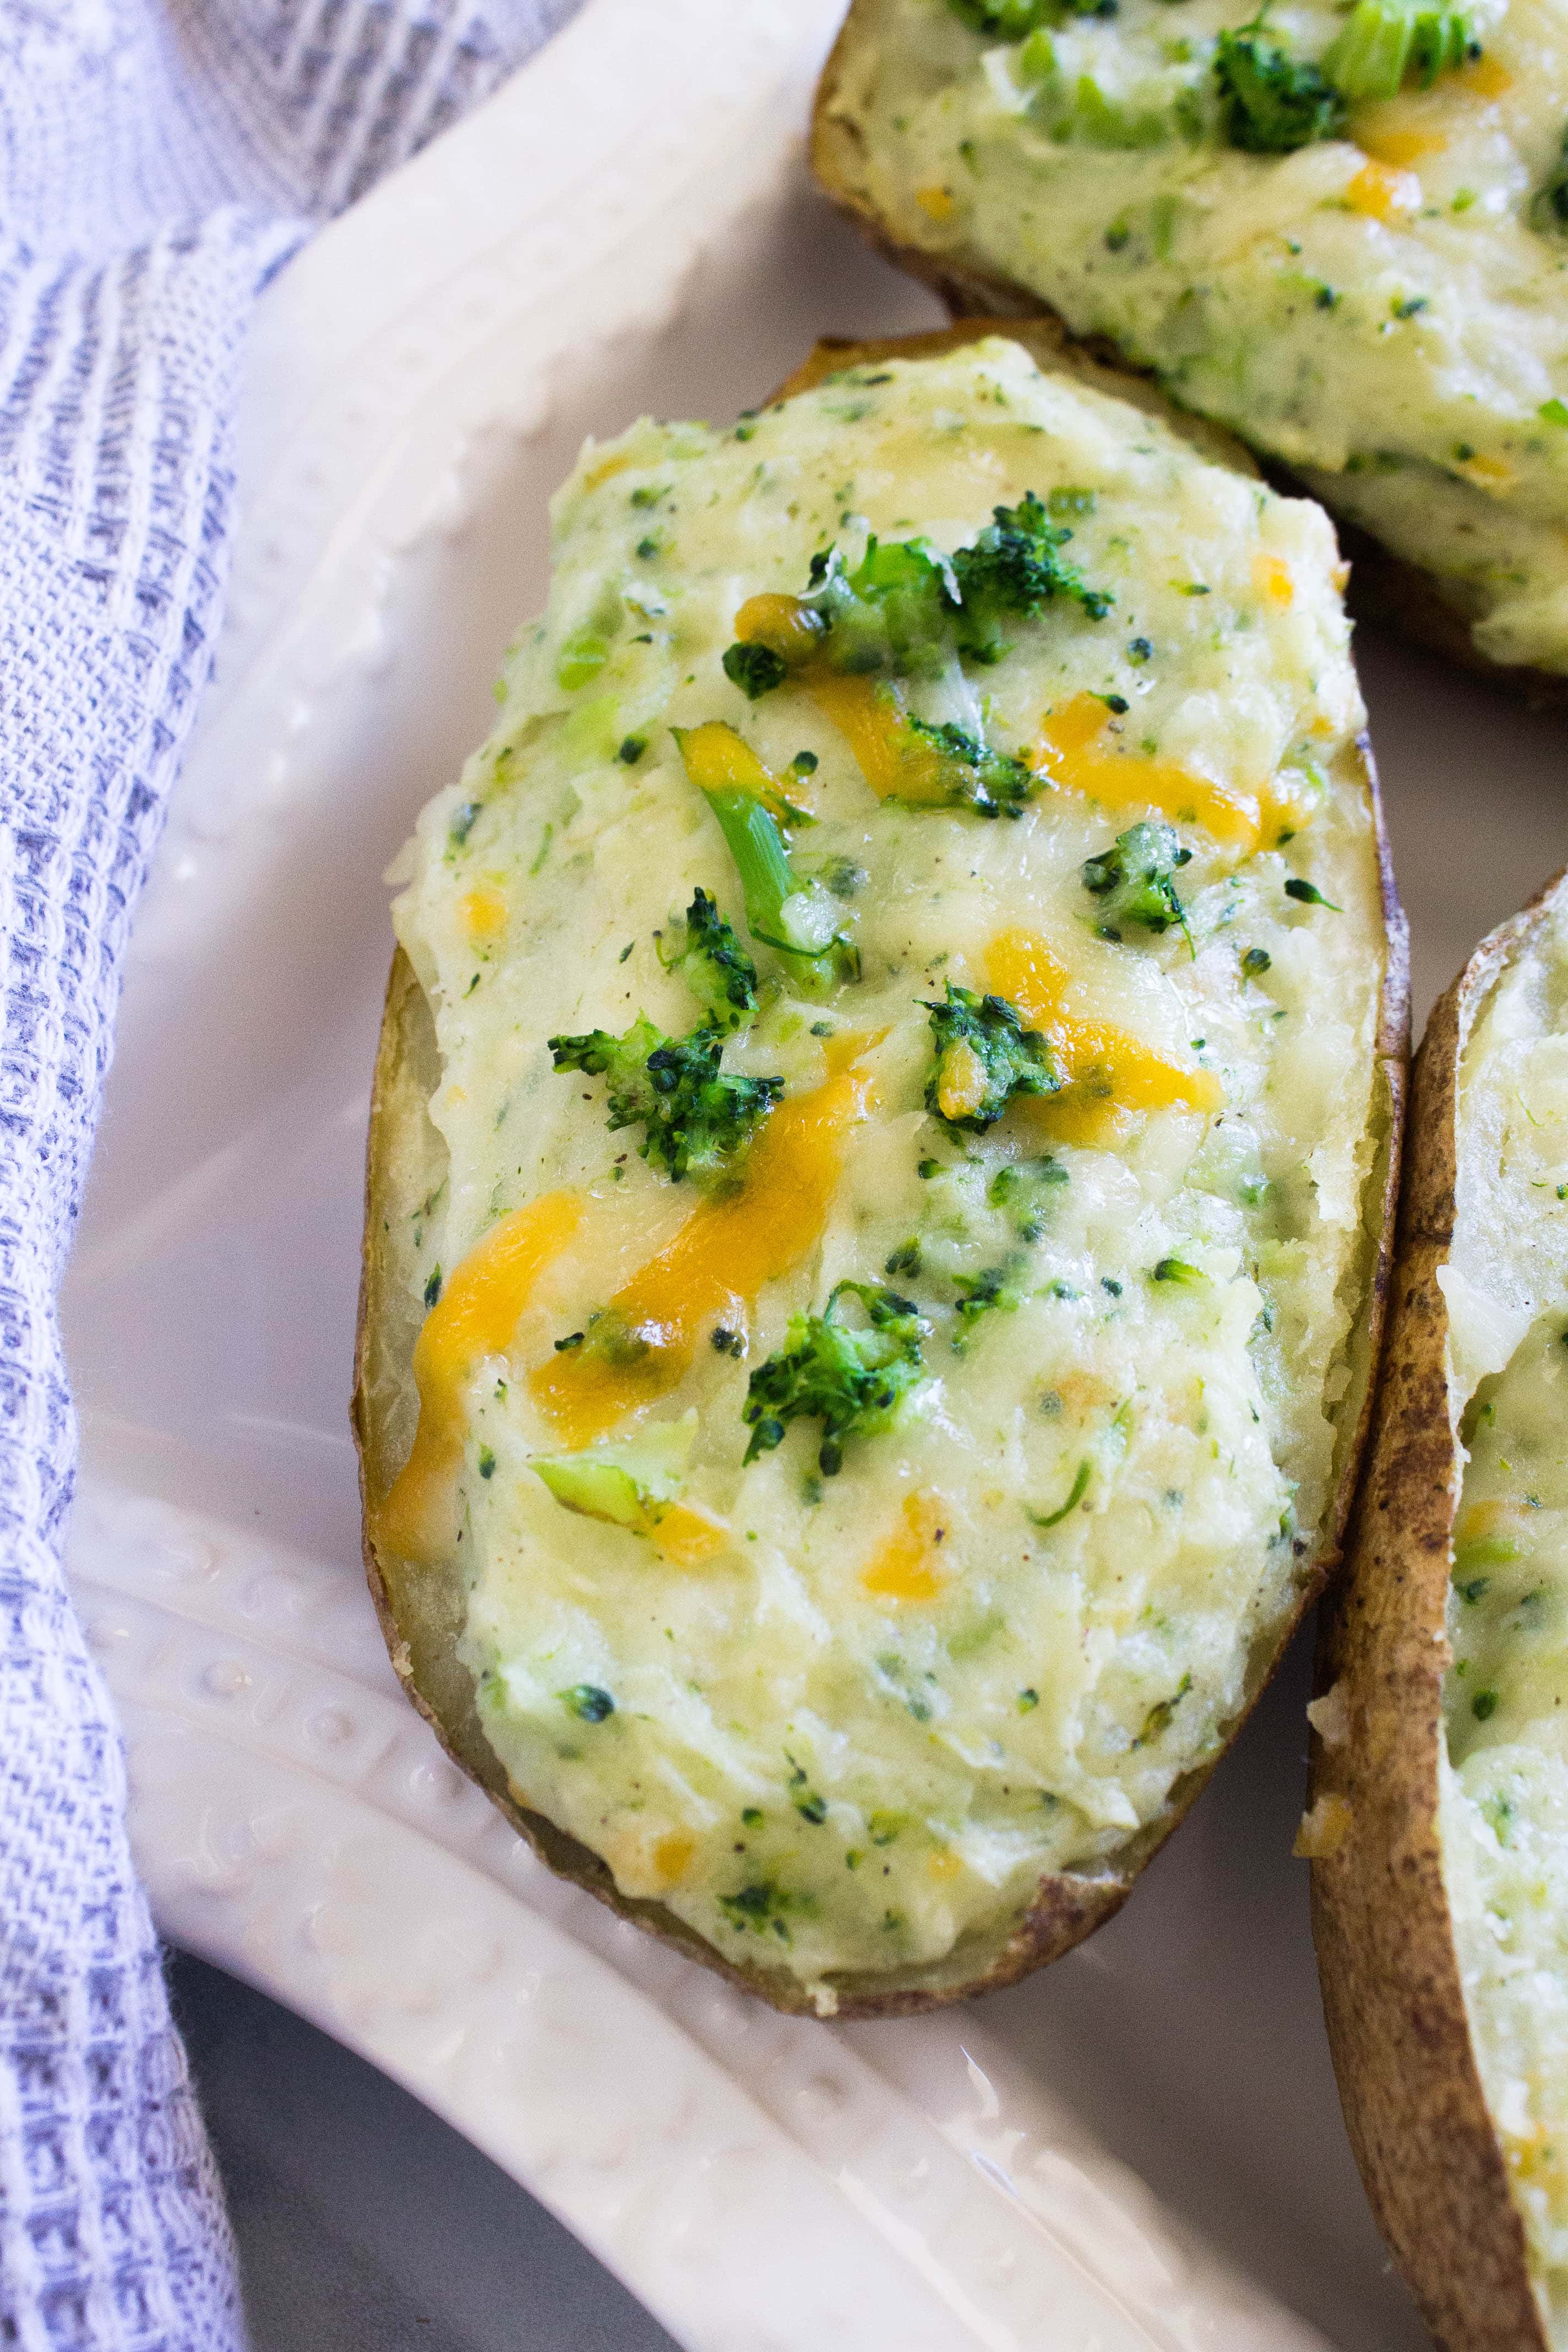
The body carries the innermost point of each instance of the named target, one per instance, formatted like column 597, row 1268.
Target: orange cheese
column 727, row 1249
column 484, row 913
column 874, row 720
column 1479, row 1520
column 475, row 1317
column 718, row 759
column 872, row 716
column 1488, row 77
column 1271, row 577
column 673, row 1855
column 687, row 1535
column 904, row 1567
column 1399, row 144
column 1382, row 192
column 1109, row 1072
column 784, row 624
column 1072, row 753
column 1494, row 473
column 605, row 470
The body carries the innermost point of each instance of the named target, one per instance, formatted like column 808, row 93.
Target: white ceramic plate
column 1141, row 2147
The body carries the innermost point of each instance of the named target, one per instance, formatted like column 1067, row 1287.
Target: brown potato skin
column 1412, row 2093
column 421, row 1610
column 1384, row 588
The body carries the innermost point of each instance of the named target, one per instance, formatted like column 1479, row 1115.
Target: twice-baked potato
column 1438, row 1826
column 1343, row 232
column 881, row 1150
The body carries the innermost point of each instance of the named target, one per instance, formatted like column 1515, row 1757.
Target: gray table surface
column 364, row 2223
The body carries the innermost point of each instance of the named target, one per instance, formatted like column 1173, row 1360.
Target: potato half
column 1375, row 307
column 865, row 1644
column 1438, row 1827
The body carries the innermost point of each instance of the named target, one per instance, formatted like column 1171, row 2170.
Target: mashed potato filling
column 1384, row 311
column 842, row 1714
column 1505, row 1803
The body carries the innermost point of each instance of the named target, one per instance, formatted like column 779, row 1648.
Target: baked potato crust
column 1392, row 1999
column 422, row 1609
column 1384, row 589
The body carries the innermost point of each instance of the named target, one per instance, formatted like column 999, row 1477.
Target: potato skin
column 421, row 1610
column 1413, row 2099
column 1384, row 588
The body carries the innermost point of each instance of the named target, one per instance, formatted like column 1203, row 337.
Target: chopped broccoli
column 761, row 1906
column 463, row 823
column 985, row 1056
column 697, row 1117
column 1076, row 109
column 796, row 916
column 609, row 1337
column 756, row 670
column 1134, row 881
column 852, row 1380
column 1549, row 205
column 1306, row 894
column 990, row 783
column 894, row 612
column 1025, row 1188
column 1013, row 571
column 713, row 963
column 1158, row 1719
column 905, row 607
column 1382, row 43
column 1181, row 1272
column 1271, row 103
column 1076, row 1494
column 978, row 1294
column 587, row 1702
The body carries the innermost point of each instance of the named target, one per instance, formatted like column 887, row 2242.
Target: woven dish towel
column 159, row 160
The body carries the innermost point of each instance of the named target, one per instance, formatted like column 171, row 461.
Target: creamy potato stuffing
column 1505, row 1803
column 842, row 1717
column 1384, row 308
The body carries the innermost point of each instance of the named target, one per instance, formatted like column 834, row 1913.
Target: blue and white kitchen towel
column 159, row 160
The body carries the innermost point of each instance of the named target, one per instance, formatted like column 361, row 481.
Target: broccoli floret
column 893, row 612
column 713, row 964
column 756, row 670
column 1271, row 103
column 1013, row 571
column 992, row 783
column 1026, row 1188
column 851, row 1379
column 905, row 608
column 1133, row 880
column 985, row 1056
column 697, row 1117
